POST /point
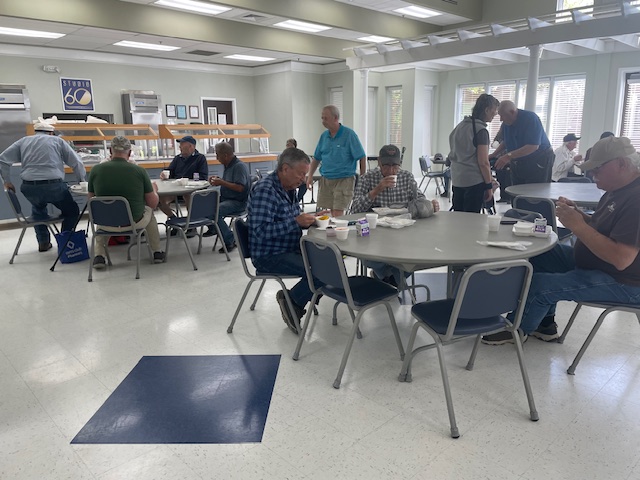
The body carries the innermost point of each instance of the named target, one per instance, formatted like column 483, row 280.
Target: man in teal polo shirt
column 337, row 153
column 118, row 177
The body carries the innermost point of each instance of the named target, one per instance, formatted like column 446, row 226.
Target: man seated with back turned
column 604, row 265
column 185, row 165
column 121, row 178
column 234, row 191
column 275, row 227
column 387, row 186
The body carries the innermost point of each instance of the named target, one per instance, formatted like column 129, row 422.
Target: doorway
column 218, row 111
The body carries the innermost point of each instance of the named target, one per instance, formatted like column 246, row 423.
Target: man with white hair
column 43, row 157
column 604, row 265
column 566, row 158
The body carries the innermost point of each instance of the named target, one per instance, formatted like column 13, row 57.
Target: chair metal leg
column 139, row 242
column 572, row 368
column 91, row 257
column 334, row 320
column 474, row 352
column 15, row 252
column 235, row 315
column 303, row 332
column 405, row 372
column 353, row 319
column 255, row 300
column 347, row 350
column 570, row 323
column 224, row 246
column 183, row 234
column 533, row 413
column 394, row 327
column 447, row 390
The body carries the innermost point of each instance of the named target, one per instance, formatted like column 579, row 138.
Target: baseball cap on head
column 390, row 155
column 43, row 127
column 570, row 137
column 607, row 149
column 188, row 139
column 120, row 143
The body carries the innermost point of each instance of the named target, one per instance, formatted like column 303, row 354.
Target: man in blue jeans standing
column 43, row 157
column 275, row 227
column 234, row 191
column 604, row 265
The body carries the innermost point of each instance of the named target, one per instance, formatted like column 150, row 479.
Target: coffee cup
column 183, row 182
column 493, row 221
column 84, row 185
column 395, row 180
column 165, row 174
column 322, row 221
column 372, row 219
column 342, row 233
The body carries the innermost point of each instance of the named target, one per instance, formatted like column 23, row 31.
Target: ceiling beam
column 151, row 20
column 471, row 9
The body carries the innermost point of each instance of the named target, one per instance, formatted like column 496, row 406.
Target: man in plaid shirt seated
column 387, row 186
column 275, row 227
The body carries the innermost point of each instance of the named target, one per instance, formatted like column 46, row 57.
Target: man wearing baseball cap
column 604, row 265
column 42, row 158
column 388, row 186
column 566, row 158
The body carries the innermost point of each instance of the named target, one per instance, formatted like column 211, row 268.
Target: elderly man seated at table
column 121, row 178
column 389, row 186
column 604, row 265
column 275, row 227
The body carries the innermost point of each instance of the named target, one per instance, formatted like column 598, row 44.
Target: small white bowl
column 342, row 233
column 340, row 223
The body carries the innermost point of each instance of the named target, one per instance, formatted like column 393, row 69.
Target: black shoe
column 230, row 248
column 504, row 200
column 445, row 195
column 501, row 338
column 209, row 233
column 174, row 232
column 391, row 280
column 99, row 263
column 284, row 310
column 158, row 257
column 191, row 233
column 547, row 331
column 45, row 247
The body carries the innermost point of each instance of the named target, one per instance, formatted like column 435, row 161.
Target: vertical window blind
column 394, row 116
column 631, row 109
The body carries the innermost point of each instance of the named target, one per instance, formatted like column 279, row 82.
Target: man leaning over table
column 387, row 186
column 121, row 178
column 184, row 165
column 604, row 265
column 43, row 157
column 275, row 227
column 234, row 191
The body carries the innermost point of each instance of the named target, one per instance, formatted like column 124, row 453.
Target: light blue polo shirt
column 339, row 155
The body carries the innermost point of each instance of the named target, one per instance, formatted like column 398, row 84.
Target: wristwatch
column 488, row 186
column 510, row 155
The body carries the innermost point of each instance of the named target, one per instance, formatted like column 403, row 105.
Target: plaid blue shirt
column 272, row 219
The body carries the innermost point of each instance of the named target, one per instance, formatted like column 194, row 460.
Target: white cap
column 43, row 127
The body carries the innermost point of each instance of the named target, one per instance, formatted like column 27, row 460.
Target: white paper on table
column 511, row 245
column 395, row 222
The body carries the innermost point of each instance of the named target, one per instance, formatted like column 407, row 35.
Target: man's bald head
column 508, row 112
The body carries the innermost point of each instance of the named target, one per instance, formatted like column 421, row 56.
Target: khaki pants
column 148, row 220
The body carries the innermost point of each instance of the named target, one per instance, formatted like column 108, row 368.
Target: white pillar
column 532, row 79
column 361, row 115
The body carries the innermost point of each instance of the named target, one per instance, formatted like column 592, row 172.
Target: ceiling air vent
column 203, row 53
column 254, row 17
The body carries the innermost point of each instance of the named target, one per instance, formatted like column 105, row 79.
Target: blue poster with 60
column 77, row 94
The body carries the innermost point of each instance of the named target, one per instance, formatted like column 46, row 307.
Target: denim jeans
column 57, row 194
column 288, row 264
column 556, row 278
column 229, row 207
column 383, row 270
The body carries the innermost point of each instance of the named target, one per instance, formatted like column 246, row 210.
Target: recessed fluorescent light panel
column 19, row 32
column 418, row 12
column 249, row 58
column 375, row 39
column 146, row 46
column 302, row 26
column 193, row 6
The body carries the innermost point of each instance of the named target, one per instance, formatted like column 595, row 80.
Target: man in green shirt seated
column 118, row 177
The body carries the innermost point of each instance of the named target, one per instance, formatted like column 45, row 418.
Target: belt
column 41, row 182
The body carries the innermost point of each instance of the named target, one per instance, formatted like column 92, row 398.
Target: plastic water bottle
column 196, row 176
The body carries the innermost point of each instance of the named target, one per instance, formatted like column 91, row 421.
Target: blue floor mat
column 187, row 399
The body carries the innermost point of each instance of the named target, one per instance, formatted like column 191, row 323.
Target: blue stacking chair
column 26, row 222
column 203, row 212
column 323, row 261
column 547, row 209
column 113, row 211
column 487, row 291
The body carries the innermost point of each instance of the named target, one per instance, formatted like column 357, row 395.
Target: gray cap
column 120, row 143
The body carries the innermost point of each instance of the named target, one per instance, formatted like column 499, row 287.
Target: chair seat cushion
column 181, row 222
column 364, row 290
column 436, row 316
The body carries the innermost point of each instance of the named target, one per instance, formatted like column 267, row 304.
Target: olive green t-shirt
column 118, row 177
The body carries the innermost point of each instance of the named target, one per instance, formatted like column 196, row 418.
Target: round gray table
column 584, row 194
column 445, row 239
column 172, row 187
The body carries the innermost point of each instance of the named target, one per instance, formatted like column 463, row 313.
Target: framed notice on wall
column 181, row 112
column 170, row 110
column 77, row 94
column 194, row 111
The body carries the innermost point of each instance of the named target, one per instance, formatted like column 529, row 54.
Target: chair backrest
column 491, row 289
column 544, row 206
column 424, row 164
column 15, row 205
column 524, row 215
column 241, row 234
column 323, row 261
column 258, row 173
column 575, row 180
column 204, row 204
column 110, row 212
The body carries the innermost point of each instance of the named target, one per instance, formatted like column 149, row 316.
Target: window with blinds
column 567, row 4
column 504, row 91
column 335, row 98
column 467, row 96
column 631, row 109
column 394, row 116
column 566, row 109
column 372, row 120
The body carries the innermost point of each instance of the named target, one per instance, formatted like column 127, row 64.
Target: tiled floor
column 65, row 344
